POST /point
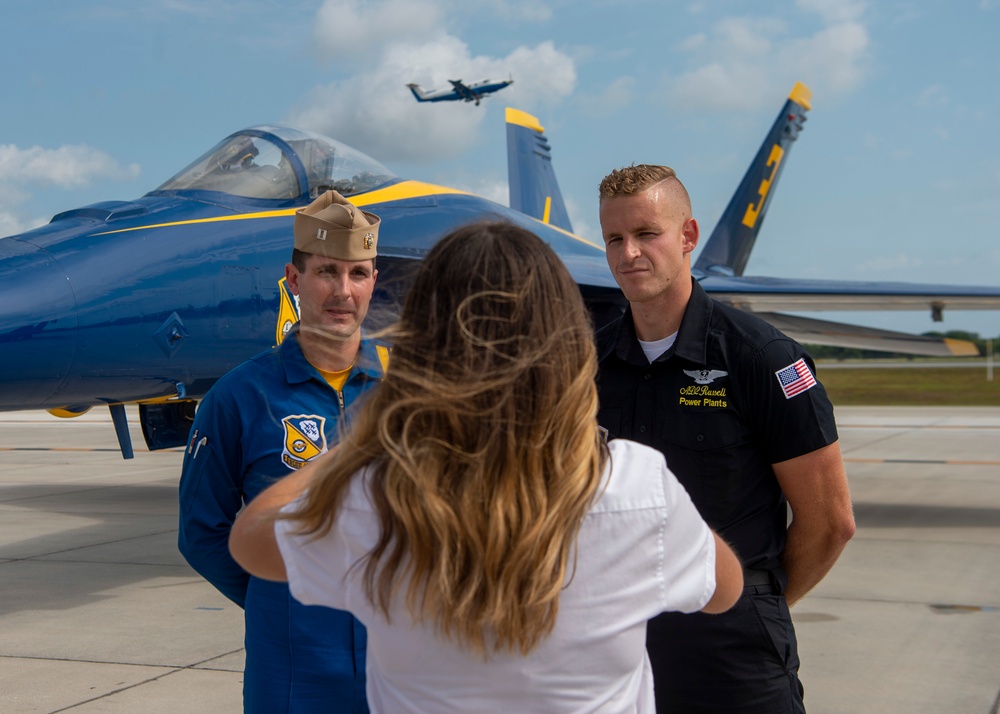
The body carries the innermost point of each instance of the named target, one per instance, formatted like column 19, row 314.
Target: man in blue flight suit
column 267, row 418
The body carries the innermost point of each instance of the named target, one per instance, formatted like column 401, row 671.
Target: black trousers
column 744, row 661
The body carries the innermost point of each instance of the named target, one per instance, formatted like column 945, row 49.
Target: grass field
column 910, row 386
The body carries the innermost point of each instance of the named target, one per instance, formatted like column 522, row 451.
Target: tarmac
column 99, row 612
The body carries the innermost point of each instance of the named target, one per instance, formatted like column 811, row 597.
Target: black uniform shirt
column 716, row 405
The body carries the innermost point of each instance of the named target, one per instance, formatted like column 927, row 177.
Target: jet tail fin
column 418, row 92
column 534, row 190
column 728, row 248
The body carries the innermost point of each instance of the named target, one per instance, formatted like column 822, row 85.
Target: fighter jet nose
column 38, row 325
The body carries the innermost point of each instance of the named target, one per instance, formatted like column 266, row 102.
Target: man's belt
column 760, row 582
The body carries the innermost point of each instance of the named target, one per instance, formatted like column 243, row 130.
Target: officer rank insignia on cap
column 334, row 227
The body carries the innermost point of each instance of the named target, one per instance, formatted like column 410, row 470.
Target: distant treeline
column 826, row 352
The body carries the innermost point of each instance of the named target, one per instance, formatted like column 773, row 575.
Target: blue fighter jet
column 150, row 301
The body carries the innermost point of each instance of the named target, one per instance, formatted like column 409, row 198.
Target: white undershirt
column 657, row 347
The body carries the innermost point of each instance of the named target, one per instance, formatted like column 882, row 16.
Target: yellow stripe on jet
column 397, row 192
column 213, row 219
column 404, row 190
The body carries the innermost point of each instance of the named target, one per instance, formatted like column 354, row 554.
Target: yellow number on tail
column 774, row 160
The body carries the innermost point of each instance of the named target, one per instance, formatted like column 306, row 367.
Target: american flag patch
column 795, row 378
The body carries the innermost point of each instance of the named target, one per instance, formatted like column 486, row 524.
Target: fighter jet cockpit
column 272, row 162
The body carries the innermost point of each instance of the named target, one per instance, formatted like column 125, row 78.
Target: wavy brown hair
column 483, row 441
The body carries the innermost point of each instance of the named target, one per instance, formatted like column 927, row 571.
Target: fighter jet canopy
column 275, row 162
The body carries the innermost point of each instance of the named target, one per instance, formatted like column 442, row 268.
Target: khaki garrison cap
column 333, row 227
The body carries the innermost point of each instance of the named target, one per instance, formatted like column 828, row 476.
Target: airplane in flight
column 459, row 90
column 150, row 301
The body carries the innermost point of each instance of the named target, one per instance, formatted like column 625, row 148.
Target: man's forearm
column 815, row 485
column 809, row 554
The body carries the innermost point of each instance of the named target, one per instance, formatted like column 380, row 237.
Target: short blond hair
column 633, row 179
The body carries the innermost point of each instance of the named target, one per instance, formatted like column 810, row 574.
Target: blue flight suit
column 261, row 421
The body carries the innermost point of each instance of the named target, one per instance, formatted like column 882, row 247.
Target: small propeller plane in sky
column 459, row 90
column 150, row 301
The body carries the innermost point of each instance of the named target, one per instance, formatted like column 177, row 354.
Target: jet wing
column 463, row 90
column 835, row 334
column 764, row 294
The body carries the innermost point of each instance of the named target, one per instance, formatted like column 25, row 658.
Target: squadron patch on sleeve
column 304, row 439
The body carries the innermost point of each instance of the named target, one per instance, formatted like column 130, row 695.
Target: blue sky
column 896, row 176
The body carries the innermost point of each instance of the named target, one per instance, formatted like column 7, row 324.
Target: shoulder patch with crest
column 304, row 439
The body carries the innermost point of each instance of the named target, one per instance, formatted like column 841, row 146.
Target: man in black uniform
column 734, row 406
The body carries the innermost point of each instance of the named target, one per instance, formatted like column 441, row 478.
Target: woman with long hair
column 501, row 555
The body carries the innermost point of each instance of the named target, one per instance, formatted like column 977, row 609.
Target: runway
column 99, row 613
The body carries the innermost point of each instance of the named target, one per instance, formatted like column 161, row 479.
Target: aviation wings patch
column 705, row 376
column 304, row 439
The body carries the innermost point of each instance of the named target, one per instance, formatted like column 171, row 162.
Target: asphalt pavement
column 99, row 612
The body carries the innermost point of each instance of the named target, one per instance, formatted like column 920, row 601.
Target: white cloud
column 11, row 221
column 834, row 11
column 833, row 59
column 524, row 10
column 355, row 30
column 545, row 72
column 375, row 112
column 491, row 189
column 618, row 95
column 717, row 86
column 741, row 63
column 933, row 94
column 729, row 69
column 743, row 38
column 581, row 226
column 66, row 167
column 694, row 42
column 10, row 225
